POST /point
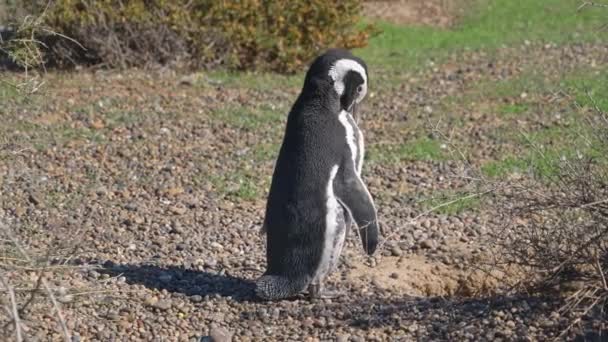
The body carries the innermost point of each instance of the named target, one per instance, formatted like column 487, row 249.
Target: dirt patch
column 439, row 13
column 418, row 275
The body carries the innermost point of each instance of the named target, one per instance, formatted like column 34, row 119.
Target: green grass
column 420, row 149
column 490, row 25
column 239, row 185
column 513, row 109
column 532, row 81
column 541, row 165
column 544, row 151
column 590, row 88
column 501, row 168
column 265, row 152
column 250, row 118
column 11, row 95
column 541, row 151
column 7, row 91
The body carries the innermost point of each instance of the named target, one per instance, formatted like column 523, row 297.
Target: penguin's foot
column 316, row 291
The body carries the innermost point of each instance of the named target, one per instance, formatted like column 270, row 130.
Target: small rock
column 394, row 275
column 19, row 211
column 131, row 206
column 172, row 192
column 35, row 199
column 163, row 304
column 396, row 251
column 308, row 322
column 97, row 124
column 219, row 334
column 428, row 244
column 66, row 299
column 216, row 246
column 196, row 298
column 426, row 224
column 177, row 210
column 151, row 301
column 188, row 80
column 342, row 337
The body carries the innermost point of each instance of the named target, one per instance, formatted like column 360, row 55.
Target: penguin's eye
column 359, row 89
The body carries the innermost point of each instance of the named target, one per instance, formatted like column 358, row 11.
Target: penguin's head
column 345, row 73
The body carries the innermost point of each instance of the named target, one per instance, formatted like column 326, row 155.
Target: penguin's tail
column 274, row 287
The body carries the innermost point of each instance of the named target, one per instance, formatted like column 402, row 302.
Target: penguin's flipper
column 354, row 195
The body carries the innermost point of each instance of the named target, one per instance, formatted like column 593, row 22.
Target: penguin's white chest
column 335, row 231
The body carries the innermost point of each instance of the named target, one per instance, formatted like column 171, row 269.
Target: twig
column 592, row 204
column 65, row 37
column 45, row 284
column 426, row 212
column 590, row 4
column 569, row 327
column 601, row 272
column 15, row 312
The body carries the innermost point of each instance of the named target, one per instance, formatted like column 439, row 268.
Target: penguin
column 316, row 191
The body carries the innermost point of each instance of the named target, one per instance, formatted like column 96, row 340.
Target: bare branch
column 15, row 311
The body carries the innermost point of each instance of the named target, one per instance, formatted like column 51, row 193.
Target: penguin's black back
column 296, row 208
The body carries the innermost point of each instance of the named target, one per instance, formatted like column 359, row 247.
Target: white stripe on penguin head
column 341, row 68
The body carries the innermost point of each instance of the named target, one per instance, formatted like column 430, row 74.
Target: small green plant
column 238, row 185
column 508, row 165
column 266, row 152
column 513, row 109
column 248, row 118
column 424, row 149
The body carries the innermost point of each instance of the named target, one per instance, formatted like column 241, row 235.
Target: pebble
column 428, row 244
column 163, row 304
column 219, row 334
column 342, row 337
column 178, row 210
column 196, row 298
column 396, row 251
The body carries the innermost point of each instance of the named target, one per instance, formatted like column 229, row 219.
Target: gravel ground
column 148, row 201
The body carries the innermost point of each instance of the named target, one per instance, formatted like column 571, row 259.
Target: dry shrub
column 277, row 35
column 556, row 229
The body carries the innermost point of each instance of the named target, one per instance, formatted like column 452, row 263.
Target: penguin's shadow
column 177, row 279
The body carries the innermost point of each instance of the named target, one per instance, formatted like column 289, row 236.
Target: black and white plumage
column 316, row 187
